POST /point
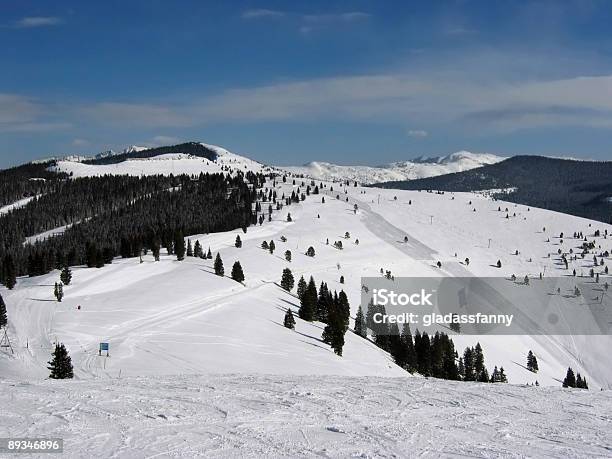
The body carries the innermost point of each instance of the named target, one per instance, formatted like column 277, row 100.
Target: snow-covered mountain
column 176, row 162
column 420, row 167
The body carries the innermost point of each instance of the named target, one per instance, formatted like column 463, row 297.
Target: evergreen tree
column 197, row 250
column 503, row 378
column 218, row 265
column 237, row 273
column 209, row 254
column 422, row 346
column 238, row 242
column 189, row 248
column 360, row 324
column 9, row 272
column 66, row 275
column 3, row 318
column 264, row 245
column 59, row 291
column 570, row 378
column 324, row 303
column 179, row 245
column 334, row 331
column 271, row 246
column 288, row 255
column 287, row 280
column 308, row 302
column 532, row 362
column 408, row 343
column 301, row 287
column 60, row 364
column 289, row 319
column 310, row 252
column 155, row 249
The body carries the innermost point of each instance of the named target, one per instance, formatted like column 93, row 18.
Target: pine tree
column 289, row 319
column 310, row 252
column 179, row 245
column 209, row 254
column 59, row 291
column 272, row 246
column 218, row 265
column 532, row 362
column 237, row 273
column 238, row 242
column 288, row 255
column 408, row 343
column 155, row 249
column 10, row 273
column 60, row 364
column 189, row 248
column 503, row 378
column 360, row 324
column 3, row 318
column 287, row 280
column 197, row 250
column 308, row 302
column 66, row 275
column 301, row 287
column 570, row 378
column 333, row 333
column 324, row 303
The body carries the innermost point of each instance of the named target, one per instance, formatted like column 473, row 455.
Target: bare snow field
column 287, row 416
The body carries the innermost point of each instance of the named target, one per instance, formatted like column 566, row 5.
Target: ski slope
column 404, row 170
column 307, row 416
column 178, row 317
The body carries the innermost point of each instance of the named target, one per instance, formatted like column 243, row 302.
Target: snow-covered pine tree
column 60, row 364
column 237, row 273
column 289, row 321
column 287, row 280
column 218, row 265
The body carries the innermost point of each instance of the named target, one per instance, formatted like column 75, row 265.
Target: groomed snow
column 284, row 416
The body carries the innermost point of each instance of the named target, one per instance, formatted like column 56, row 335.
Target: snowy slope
column 404, row 170
column 283, row 416
column 171, row 317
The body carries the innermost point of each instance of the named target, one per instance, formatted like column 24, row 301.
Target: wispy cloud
column 37, row 21
column 262, row 14
column 351, row 16
column 418, row 133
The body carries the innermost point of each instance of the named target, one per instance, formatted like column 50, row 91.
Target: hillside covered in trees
column 582, row 188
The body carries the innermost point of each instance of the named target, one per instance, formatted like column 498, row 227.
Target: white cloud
column 262, row 14
column 419, row 133
column 37, row 21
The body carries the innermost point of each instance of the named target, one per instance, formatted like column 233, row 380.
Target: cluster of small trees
column 574, row 381
column 332, row 309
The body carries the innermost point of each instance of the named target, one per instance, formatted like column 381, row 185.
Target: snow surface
column 16, row 205
column 404, row 170
column 288, row 416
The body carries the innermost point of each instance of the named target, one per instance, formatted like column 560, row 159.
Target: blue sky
column 364, row 82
